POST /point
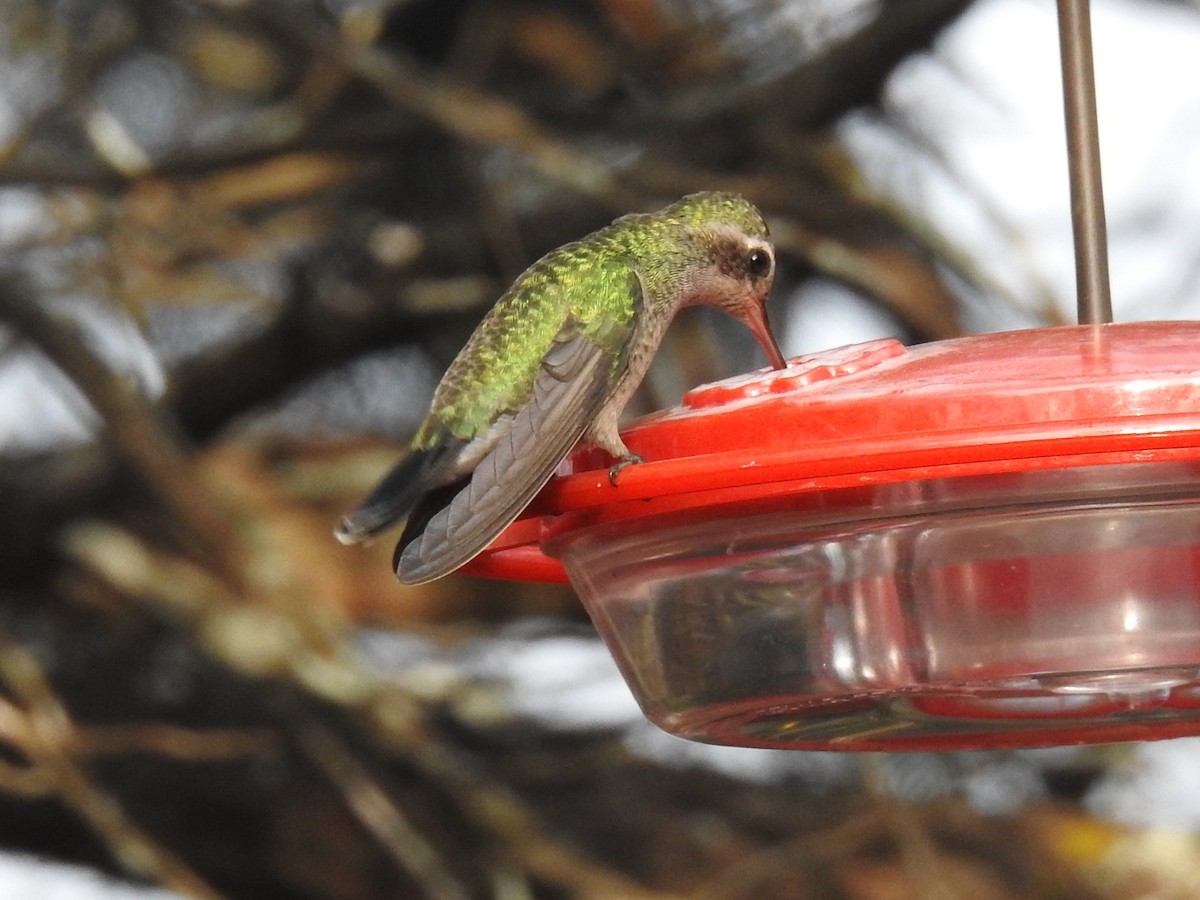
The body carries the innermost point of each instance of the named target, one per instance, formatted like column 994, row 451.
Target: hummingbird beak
column 756, row 321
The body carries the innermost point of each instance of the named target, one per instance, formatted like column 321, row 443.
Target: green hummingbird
column 556, row 360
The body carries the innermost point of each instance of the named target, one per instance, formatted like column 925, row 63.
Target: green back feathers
column 712, row 208
column 588, row 281
column 597, row 283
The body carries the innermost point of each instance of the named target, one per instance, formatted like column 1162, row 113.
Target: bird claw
column 626, row 461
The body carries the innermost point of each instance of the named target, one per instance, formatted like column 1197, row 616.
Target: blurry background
column 240, row 241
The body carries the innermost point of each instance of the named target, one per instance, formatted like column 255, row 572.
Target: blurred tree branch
column 41, row 730
column 136, row 435
column 846, row 74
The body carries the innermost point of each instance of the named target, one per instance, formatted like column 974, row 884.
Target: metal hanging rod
column 1083, row 161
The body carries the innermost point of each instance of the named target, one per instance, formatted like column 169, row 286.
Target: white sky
column 1011, row 147
column 990, row 101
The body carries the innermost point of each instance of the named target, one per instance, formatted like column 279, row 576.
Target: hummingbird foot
column 630, row 459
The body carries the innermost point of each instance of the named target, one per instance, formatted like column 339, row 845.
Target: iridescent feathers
column 558, row 356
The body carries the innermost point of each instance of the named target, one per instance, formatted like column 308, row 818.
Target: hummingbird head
column 736, row 262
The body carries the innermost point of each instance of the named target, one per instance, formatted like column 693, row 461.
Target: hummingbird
column 556, row 360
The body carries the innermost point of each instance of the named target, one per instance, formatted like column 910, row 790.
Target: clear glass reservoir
column 978, row 612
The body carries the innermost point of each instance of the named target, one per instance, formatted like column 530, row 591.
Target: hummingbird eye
column 758, row 263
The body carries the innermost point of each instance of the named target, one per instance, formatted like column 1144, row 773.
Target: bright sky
column 1148, row 83
column 990, row 101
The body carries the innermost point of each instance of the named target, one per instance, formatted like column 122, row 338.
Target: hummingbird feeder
column 991, row 541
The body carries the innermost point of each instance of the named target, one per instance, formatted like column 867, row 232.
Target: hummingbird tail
column 400, row 491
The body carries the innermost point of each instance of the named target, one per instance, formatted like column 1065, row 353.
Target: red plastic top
column 880, row 412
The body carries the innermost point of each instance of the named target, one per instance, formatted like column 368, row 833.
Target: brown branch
column 174, row 742
column 472, row 116
column 308, row 337
column 360, row 133
column 378, row 812
column 520, row 831
column 398, row 717
column 133, row 428
column 45, row 738
column 848, row 73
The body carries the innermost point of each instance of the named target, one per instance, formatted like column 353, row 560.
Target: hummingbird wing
column 402, row 490
column 572, row 385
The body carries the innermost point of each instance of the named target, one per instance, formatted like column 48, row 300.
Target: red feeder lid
column 880, row 412
column 984, row 542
